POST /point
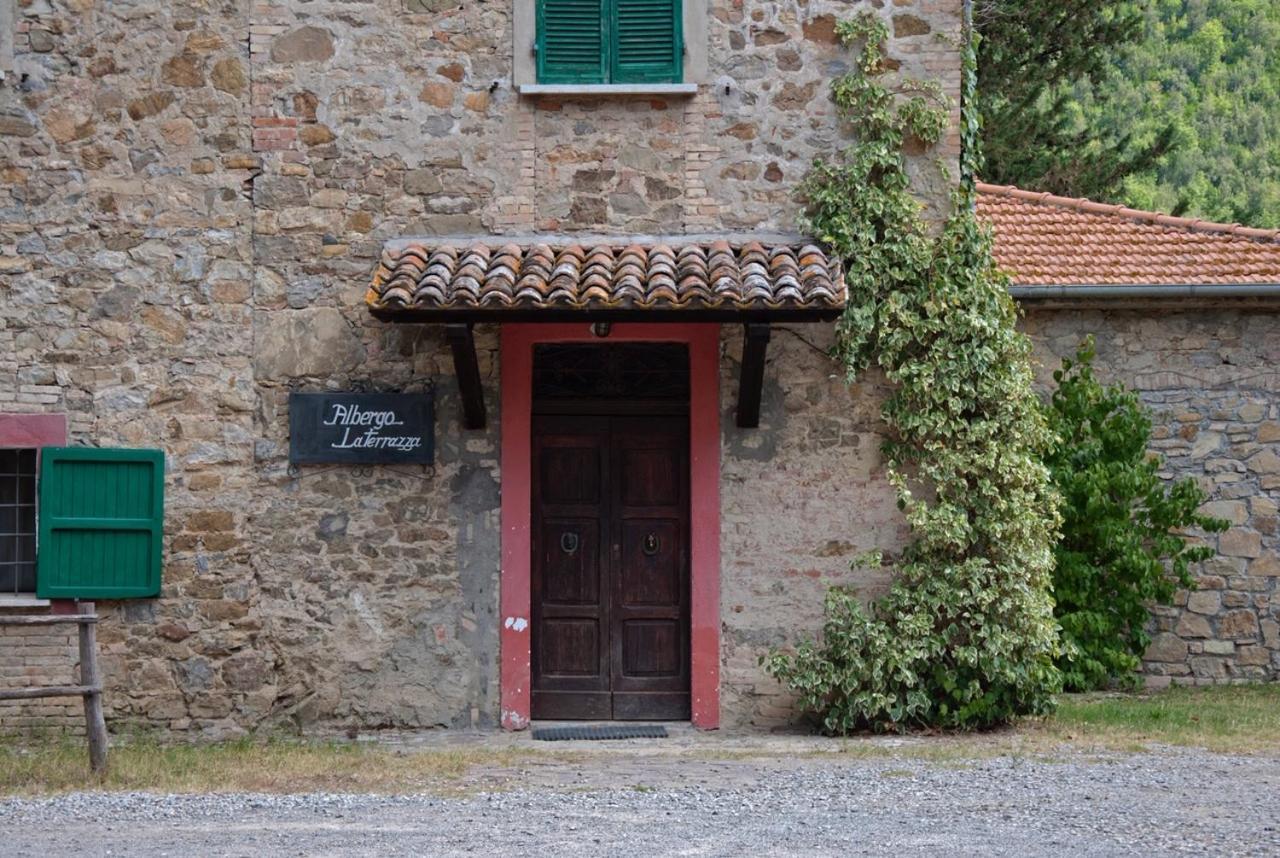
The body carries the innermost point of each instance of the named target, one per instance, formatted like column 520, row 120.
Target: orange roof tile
column 1046, row 240
column 535, row 276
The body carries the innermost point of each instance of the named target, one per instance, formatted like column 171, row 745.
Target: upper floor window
column 609, row 41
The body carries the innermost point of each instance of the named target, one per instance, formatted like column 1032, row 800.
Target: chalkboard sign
column 362, row 428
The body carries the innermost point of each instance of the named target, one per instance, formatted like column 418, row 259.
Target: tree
column 1121, row 548
column 1037, row 58
column 1212, row 68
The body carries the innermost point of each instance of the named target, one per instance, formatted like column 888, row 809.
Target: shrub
column 965, row 637
column 1120, row 550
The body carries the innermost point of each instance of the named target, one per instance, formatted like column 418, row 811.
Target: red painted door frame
column 516, row 416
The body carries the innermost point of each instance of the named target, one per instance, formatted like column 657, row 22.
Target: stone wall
column 1209, row 376
column 801, row 497
column 125, row 246
column 194, row 196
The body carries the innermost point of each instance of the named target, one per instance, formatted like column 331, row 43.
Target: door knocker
column 651, row 545
column 569, row 542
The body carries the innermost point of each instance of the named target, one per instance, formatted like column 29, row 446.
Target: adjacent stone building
column 197, row 198
column 1188, row 314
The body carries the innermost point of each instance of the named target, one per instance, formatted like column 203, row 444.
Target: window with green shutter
column 101, row 513
column 609, row 41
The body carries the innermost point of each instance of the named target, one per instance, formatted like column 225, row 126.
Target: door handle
column 569, row 542
column 651, row 544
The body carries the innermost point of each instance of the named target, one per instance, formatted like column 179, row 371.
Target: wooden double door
column 610, row 567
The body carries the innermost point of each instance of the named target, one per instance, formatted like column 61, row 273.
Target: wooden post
column 95, row 726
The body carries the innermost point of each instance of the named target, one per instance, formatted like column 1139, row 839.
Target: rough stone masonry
column 1208, row 375
column 194, row 195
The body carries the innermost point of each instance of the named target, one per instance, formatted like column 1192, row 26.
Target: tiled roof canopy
column 535, row 279
column 1044, row 240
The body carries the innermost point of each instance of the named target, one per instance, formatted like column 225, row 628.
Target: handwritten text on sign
column 361, row 428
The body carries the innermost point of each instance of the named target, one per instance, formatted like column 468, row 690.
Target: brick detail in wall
column 516, row 211
column 274, row 133
column 273, row 130
column 31, row 657
column 700, row 210
column 25, row 390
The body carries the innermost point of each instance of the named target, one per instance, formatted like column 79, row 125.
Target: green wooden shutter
column 100, row 518
column 572, row 41
column 646, row 38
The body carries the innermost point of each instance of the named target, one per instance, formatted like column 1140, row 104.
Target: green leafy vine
column 966, row 636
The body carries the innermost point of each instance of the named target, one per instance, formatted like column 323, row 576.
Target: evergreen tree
column 1035, row 59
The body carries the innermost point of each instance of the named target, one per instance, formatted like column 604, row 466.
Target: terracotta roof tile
column 1045, row 240
column 1040, row 239
column 659, row 276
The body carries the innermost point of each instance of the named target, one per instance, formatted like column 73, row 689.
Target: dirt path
column 778, row 798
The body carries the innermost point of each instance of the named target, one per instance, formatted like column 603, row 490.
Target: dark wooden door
column 611, row 568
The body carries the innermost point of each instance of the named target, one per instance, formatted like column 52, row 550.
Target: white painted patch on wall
column 518, row 624
column 366, row 614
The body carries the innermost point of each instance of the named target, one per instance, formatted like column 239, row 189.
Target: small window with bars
column 609, row 41
column 17, row 521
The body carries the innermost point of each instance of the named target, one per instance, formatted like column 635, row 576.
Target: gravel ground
column 1166, row 802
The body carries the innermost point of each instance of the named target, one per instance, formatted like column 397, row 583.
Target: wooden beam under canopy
column 467, row 368
column 755, row 343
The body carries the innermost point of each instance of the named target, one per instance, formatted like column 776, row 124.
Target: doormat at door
column 603, row 731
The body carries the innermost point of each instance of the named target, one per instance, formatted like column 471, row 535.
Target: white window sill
column 23, row 602
column 608, row 88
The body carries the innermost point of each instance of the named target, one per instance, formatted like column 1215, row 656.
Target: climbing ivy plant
column 966, row 635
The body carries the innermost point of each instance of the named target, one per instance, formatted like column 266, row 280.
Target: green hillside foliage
column 1212, row 68
column 1171, row 105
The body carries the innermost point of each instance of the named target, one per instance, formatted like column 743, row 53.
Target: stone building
column 1188, row 314
column 583, row 243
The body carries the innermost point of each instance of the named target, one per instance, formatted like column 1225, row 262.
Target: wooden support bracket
column 467, row 368
column 755, row 343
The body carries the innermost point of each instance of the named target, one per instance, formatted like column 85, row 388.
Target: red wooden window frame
column 33, row 430
column 26, row 431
